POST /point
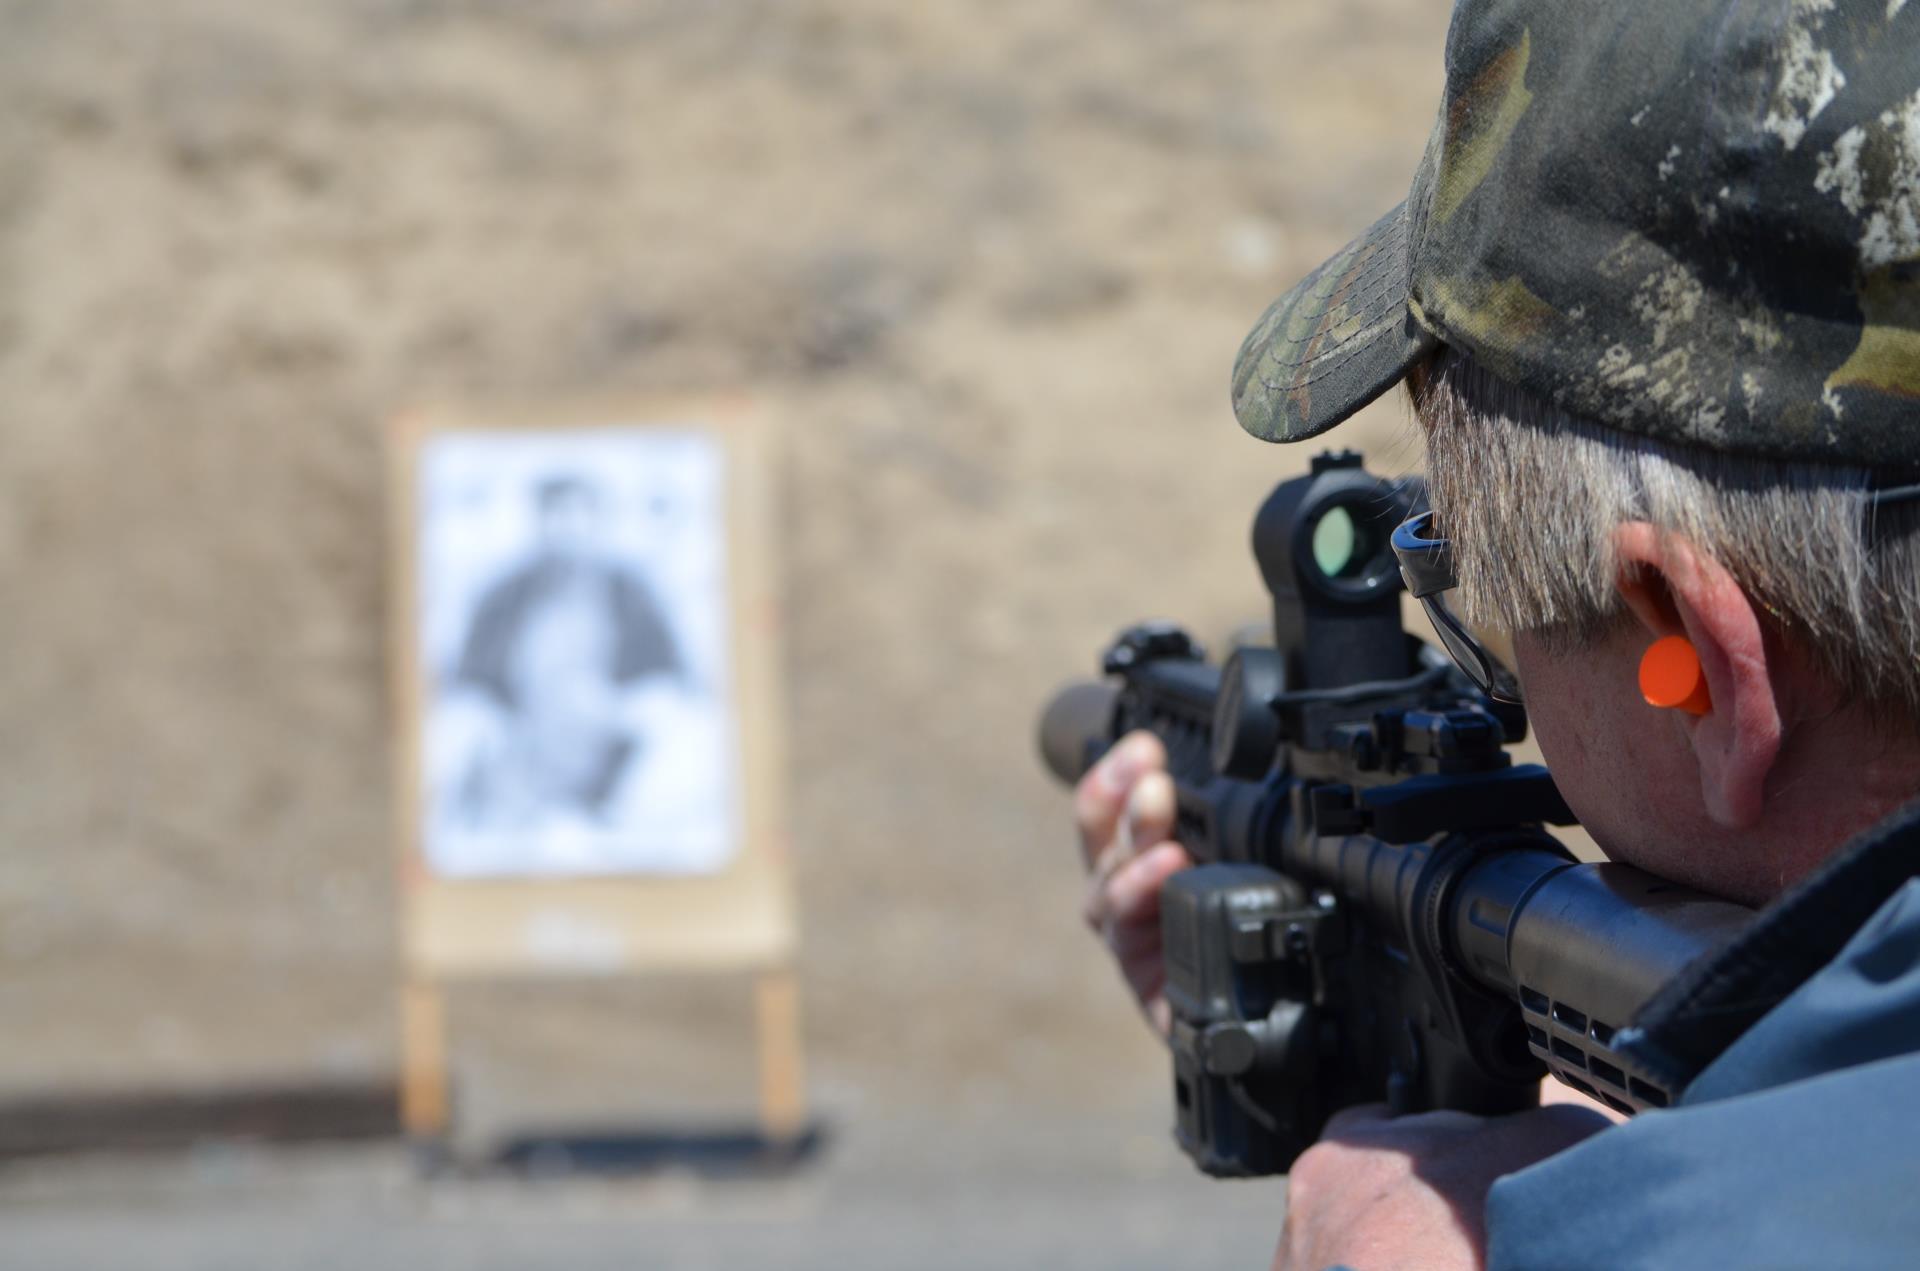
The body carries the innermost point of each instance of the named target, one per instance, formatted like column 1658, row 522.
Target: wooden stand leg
column 783, row 1107
column 423, row 1060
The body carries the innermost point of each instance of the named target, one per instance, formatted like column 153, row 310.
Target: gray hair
column 1530, row 497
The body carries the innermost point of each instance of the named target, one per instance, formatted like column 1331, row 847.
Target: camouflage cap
column 1696, row 220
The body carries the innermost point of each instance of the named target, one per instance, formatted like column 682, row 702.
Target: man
column 1656, row 296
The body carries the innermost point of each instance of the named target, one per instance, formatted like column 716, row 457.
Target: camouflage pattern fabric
column 1691, row 220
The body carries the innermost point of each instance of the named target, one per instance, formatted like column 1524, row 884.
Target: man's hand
column 1377, row 1193
column 1125, row 810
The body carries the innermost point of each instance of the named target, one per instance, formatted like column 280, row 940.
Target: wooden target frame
column 739, row 918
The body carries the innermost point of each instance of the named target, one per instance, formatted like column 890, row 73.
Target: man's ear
column 1673, row 589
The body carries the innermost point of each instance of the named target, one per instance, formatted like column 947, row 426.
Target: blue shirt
column 1797, row 1146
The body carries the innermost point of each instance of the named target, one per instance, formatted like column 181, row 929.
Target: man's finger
column 1101, row 797
column 1150, row 812
column 1135, row 945
column 1132, row 895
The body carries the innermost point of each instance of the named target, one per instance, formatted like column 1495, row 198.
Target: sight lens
column 1336, row 543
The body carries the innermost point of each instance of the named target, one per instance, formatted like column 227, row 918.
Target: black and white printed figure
column 574, row 608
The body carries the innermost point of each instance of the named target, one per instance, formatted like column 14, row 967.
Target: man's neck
column 1836, row 778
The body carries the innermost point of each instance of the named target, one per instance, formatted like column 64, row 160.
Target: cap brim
column 1339, row 339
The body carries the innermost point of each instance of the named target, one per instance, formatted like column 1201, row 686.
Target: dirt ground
column 987, row 263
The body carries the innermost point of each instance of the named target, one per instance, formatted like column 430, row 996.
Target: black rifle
column 1376, row 912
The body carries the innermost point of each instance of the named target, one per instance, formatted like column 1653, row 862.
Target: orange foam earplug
column 1671, row 678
